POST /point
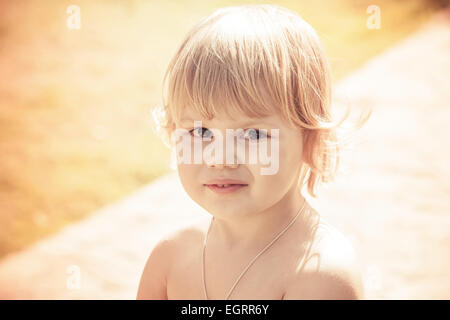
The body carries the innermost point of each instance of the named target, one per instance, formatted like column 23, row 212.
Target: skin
column 312, row 260
column 256, row 212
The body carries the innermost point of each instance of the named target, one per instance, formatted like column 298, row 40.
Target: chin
column 230, row 213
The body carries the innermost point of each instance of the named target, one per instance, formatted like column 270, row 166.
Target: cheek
column 188, row 175
column 275, row 182
column 291, row 152
column 290, row 157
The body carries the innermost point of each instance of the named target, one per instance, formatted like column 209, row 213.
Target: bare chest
column 265, row 279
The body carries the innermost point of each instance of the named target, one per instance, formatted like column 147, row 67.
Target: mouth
column 225, row 188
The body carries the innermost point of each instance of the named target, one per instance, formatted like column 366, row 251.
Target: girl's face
column 262, row 190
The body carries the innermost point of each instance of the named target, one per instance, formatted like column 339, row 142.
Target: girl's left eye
column 200, row 133
column 256, row 135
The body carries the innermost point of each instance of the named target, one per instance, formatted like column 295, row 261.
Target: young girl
column 260, row 69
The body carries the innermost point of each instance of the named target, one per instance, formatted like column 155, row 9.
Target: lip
column 225, row 181
column 229, row 189
column 236, row 185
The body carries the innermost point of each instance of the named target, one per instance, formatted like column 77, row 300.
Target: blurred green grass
column 75, row 127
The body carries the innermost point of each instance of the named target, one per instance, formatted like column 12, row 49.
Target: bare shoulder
column 190, row 234
column 330, row 270
column 153, row 282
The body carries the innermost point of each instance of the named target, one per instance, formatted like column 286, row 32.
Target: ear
column 302, row 173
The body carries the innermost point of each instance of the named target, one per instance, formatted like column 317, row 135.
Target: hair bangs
column 232, row 73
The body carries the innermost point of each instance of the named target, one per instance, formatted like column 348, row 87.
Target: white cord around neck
column 251, row 262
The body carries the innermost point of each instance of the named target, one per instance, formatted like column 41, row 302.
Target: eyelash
column 259, row 133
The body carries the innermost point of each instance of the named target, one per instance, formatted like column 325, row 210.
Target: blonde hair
column 262, row 55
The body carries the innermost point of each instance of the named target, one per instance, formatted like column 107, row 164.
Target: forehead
column 188, row 116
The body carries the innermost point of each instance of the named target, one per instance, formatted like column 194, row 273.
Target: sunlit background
column 75, row 125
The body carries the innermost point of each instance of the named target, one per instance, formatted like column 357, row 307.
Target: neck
column 257, row 229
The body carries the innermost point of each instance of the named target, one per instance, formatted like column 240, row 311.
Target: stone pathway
column 394, row 203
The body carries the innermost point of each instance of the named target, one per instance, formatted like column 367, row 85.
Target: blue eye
column 201, row 134
column 256, row 135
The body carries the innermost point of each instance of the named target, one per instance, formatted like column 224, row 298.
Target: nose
column 214, row 164
column 219, row 161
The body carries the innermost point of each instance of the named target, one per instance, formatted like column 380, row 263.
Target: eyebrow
column 248, row 123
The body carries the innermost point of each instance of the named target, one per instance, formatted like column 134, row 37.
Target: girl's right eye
column 200, row 135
